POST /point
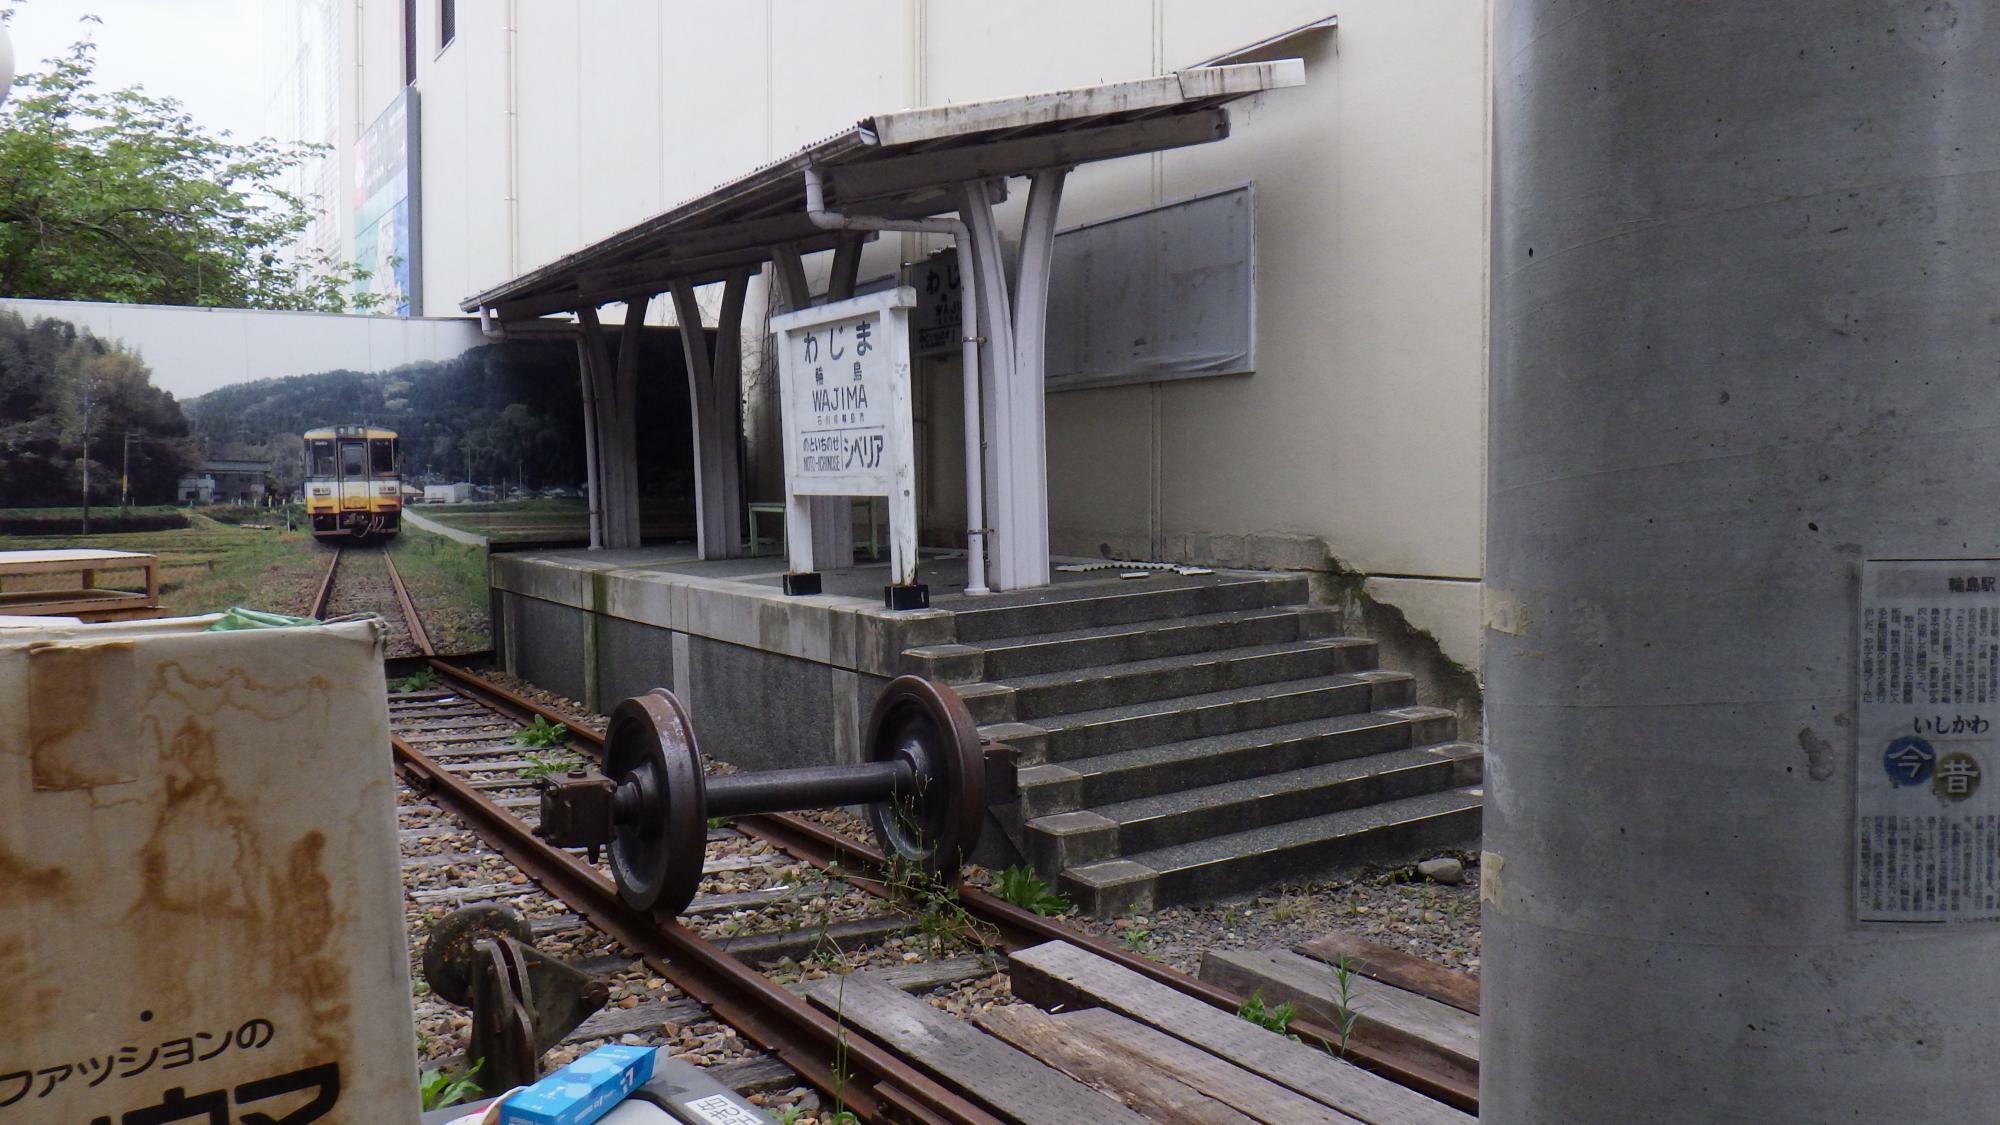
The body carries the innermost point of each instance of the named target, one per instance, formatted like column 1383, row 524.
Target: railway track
column 692, row 983
column 364, row 581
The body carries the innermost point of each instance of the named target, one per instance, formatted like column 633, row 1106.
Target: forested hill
column 508, row 412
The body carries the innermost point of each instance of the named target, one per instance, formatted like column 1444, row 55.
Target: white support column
column 626, row 425
column 593, row 484
column 996, row 323
column 846, row 265
column 714, row 389
column 614, row 424
column 1028, row 546
column 832, row 517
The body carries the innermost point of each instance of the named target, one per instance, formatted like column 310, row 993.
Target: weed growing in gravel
column 1344, row 1011
column 542, row 733
column 1137, row 939
column 419, row 680
column 1022, row 887
column 440, row 1087
column 1289, row 908
column 543, row 765
column 789, row 1115
column 1277, row 1018
column 724, row 822
column 942, row 921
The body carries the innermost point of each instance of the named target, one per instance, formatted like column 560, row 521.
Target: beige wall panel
column 1192, row 31
column 445, row 99
column 552, row 123
column 714, row 96
column 976, row 51
column 831, row 64
column 1100, row 450
column 1363, row 423
column 482, row 121
column 620, row 94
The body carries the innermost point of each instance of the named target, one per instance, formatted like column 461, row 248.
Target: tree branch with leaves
column 121, row 196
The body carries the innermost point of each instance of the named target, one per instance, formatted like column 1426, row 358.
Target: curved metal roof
column 905, row 164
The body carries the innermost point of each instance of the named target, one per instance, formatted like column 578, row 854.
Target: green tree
column 68, row 401
column 120, row 196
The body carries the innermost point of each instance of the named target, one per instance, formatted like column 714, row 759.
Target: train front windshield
column 322, row 458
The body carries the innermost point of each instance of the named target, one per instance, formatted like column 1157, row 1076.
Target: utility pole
column 125, row 475
column 86, row 459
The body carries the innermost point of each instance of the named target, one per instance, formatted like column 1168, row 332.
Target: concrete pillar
column 1746, row 326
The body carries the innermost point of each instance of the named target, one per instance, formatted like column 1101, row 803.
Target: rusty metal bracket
column 523, row 1001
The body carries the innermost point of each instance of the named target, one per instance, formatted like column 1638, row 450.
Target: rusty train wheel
column 660, row 830
column 928, row 726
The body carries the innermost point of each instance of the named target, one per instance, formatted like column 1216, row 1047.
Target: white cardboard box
column 200, row 904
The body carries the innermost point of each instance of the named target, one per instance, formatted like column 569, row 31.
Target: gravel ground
column 1391, row 905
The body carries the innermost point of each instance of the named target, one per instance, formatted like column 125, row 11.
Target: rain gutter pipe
column 975, row 485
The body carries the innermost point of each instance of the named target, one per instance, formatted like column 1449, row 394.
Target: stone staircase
column 1198, row 737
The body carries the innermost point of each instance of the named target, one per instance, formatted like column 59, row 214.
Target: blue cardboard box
column 583, row 1091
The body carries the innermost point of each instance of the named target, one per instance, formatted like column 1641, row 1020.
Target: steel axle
column 923, row 785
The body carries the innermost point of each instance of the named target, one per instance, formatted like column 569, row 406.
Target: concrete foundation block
column 951, row 664
column 1071, row 839
column 1111, row 888
column 1048, row 789
column 1032, row 741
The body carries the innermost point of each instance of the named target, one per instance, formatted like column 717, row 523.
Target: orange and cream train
column 352, row 487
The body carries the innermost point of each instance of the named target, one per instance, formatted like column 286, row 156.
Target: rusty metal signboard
column 844, row 386
column 1927, row 810
column 200, row 910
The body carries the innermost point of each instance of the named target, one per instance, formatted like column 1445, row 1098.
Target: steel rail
column 325, row 594
column 819, row 1047
column 418, row 635
column 1373, row 1046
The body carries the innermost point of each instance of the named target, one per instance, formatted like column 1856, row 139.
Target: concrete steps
column 1225, row 865
column 1195, row 737
column 1128, row 775
column 1082, row 734
column 1117, row 644
column 1095, row 605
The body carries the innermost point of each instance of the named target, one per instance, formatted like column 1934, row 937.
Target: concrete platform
column 771, row 680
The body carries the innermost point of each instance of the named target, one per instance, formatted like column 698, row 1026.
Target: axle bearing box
column 200, row 908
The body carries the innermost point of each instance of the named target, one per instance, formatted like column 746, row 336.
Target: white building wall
column 1363, row 427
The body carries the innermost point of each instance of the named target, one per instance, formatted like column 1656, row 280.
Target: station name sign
column 844, row 386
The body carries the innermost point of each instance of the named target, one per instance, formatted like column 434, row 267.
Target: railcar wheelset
column 922, row 781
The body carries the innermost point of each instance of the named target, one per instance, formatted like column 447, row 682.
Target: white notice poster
column 1927, row 817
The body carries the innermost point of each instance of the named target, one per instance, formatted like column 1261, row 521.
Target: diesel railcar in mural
column 352, row 488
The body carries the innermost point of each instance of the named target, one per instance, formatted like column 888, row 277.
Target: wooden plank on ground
column 757, row 949
column 1005, row 1080
column 1393, row 966
column 1218, row 1078
column 920, row 976
column 646, row 1017
column 1145, row 1088
column 1284, row 977
column 1057, row 973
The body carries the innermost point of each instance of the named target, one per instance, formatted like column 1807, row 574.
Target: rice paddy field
column 254, row 561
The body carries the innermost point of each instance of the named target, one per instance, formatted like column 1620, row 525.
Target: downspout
column 491, row 326
column 975, row 484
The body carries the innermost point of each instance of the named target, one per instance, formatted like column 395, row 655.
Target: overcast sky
column 205, row 53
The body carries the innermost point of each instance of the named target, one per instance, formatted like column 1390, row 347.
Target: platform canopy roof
column 906, row 164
